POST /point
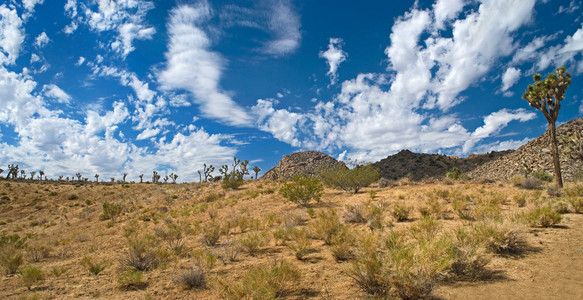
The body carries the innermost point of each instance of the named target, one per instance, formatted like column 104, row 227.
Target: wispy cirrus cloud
column 334, row 56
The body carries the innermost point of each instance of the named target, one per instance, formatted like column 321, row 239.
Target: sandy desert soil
column 65, row 218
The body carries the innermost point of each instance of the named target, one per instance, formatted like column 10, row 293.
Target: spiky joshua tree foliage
column 256, row 169
column 546, row 95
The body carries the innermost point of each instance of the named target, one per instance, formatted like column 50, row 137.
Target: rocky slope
column 419, row 165
column 306, row 163
column 537, row 155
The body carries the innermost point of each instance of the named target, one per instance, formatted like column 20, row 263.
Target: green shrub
column 542, row 175
column 193, row 278
column 355, row 214
column 93, row 267
column 212, row 232
column 351, row 180
column 264, row 282
column 302, row 190
column 111, row 210
column 326, row 226
column 141, row 255
column 424, row 229
column 498, row 237
column 342, row 244
column 299, row 243
column 577, row 204
column 531, row 183
column 232, row 181
column 11, row 257
column 462, row 208
column 172, row 235
column 520, row 199
column 455, row 174
column 401, row 212
column 372, row 275
column 58, row 271
column 253, row 241
column 131, row 279
column 31, row 275
column 543, row 217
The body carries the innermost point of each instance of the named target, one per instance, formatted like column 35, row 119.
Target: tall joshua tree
column 546, row 95
column 256, row 169
column 96, row 177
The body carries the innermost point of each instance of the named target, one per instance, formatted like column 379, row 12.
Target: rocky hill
column 306, row 163
column 419, row 165
column 536, row 154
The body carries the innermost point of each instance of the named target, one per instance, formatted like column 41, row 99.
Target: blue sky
column 128, row 86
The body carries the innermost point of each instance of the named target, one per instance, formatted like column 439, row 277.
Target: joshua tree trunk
column 555, row 151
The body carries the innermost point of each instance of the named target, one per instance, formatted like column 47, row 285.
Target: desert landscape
column 437, row 237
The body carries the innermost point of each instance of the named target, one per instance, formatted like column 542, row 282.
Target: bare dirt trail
column 552, row 269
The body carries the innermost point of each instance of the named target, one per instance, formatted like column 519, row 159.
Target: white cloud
column 494, row 122
column 41, row 40
column 80, row 61
column 11, row 35
column 126, row 17
column 510, row 77
column 334, row 57
column 30, row 4
column 501, row 145
column 570, row 9
column 281, row 123
column 445, row 11
column 34, row 58
column 192, row 66
column 284, row 24
column 55, row 92
column 562, row 54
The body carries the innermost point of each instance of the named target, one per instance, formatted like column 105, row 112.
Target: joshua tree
column 32, row 175
column 207, row 171
column 96, row 177
column 22, row 174
column 546, row 95
column 61, row 178
column 124, row 177
column 155, row 177
column 1, row 171
column 200, row 176
column 165, row 178
column 12, row 171
column 173, row 177
column 79, row 176
column 256, row 169
column 112, row 179
column 41, row 173
column 141, row 178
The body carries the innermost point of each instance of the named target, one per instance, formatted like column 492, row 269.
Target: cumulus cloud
column 510, row 77
column 55, row 92
column 191, row 65
column 445, row 11
column 334, row 57
column 281, row 123
column 11, row 35
column 41, row 40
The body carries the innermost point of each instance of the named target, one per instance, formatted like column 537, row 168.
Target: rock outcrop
column 306, row 163
column 537, row 155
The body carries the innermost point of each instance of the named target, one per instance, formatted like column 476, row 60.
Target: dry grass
column 139, row 245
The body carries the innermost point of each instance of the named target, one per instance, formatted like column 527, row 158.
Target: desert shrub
column 11, row 257
column 520, row 199
column 213, row 197
column 560, row 205
column 401, row 212
column 531, row 183
column 299, row 243
column 498, row 237
column 172, row 235
column 350, row 180
column 212, row 232
column 554, row 191
column 264, row 282
column 375, row 216
column 542, row 217
column 253, row 241
column 575, row 191
column 192, row 278
column 383, row 183
column 31, row 275
column 355, row 214
column 461, row 206
column 37, row 252
column 58, row 271
column 141, row 255
column 470, row 255
column 542, row 175
column 94, row 267
column 205, row 257
column 326, row 226
column 432, row 207
column 455, row 174
column 227, row 252
column 517, row 180
column 232, row 180
column 342, row 245
column 371, row 274
column 576, row 204
column 131, row 280
column 111, row 210
column 424, row 229
column 302, row 190
column 486, row 210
